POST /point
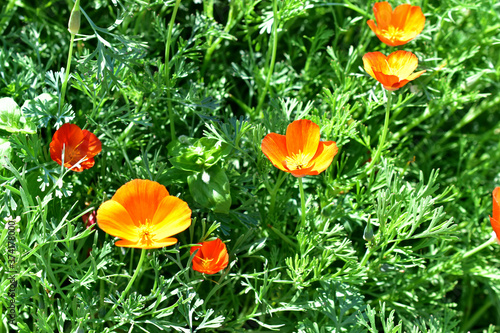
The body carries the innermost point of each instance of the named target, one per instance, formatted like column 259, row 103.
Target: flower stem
column 480, row 247
column 367, row 255
column 383, row 136
column 302, row 203
column 124, row 293
column 167, row 69
column 273, row 57
column 66, row 76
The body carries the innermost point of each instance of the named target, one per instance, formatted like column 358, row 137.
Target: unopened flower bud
column 74, row 19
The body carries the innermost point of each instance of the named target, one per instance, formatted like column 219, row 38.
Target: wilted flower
column 495, row 219
column 77, row 145
column 397, row 27
column 393, row 71
column 144, row 215
column 211, row 257
column 299, row 152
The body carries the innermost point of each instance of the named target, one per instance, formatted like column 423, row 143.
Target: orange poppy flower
column 211, row 257
column 495, row 219
column 393, row 71
column 77, row 144
column 299, row 152
column 397, row 27
column 144, row 215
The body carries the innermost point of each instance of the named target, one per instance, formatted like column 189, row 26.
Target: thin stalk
column 478, row 314
column 302, row 202
column 167, row 69
column 383, row 136
column 66, row 76
column 367, row 255
column 124, row 293
column 73, row 28
column 283, row 236
column 480, row 247
column 273, row 56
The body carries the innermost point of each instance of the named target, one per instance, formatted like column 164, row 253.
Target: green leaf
column 195, row 155
column 11, row 118
column 210, row 188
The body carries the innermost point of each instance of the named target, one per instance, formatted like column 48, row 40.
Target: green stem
column 367, row 255
column 283, row 237
column 302, row 202
column 167, row 69
column 66, row 76
column 480, row 247
column 124, row 293
column 383, row 136
column 273, row 56
column 479, row 313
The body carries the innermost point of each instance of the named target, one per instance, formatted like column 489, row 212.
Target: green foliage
column 12, row 118
column 391, row 247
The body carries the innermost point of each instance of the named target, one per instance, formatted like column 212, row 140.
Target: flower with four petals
column 299, row 152
column 72, row 144
column 144, row 215
column 211, row 257
column 397, row 27
column 393, row 71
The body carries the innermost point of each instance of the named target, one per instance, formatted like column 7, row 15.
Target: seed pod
column 74, row 19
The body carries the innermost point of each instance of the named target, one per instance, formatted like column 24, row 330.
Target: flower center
column 205, row 262
column 393, row 33
column 145, row 234
column 297, row 161
column 72, row 154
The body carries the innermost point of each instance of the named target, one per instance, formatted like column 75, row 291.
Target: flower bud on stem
column 73, row 28
column 74, row 19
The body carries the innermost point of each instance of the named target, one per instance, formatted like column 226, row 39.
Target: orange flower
column 77, row 145
column 144, row 215
column 397, row 27
column 393, row 71
column 299, row 151
column 495, row 219
column 211, row 257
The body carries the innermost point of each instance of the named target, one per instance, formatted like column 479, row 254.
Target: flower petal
column 141, row 198
column 375, row 61
column 400, row 16
column 94, row 144
column 324, row 156
column 154, row 245
column 383, row 14
column 373, row 26
column 408, row 79
column 302, row 136
column 274, row 147
column 496, row 203
column 388, row 81
column 87, row 164
column 402, row 63
column 415, row 22
column 304, row 171
column 172, row 216
column 114, row 219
